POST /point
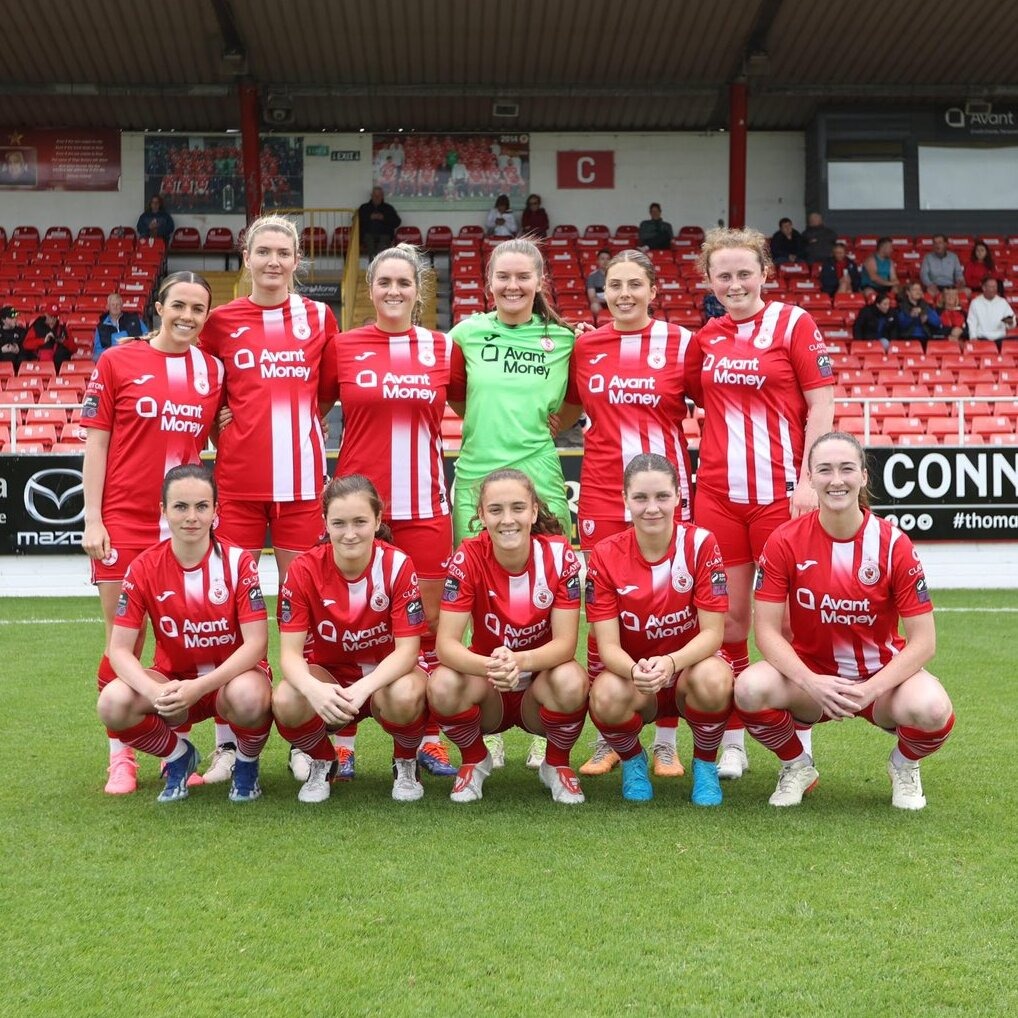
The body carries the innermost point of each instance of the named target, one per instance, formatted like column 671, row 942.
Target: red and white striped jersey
column 844, row 597
column 632, row 387
column 393, row 391
column 507, row 610
column 280, row 362
column 159, row 409
column 352, row 624
column 752, row 376
column 656, row 602
column 196, row 613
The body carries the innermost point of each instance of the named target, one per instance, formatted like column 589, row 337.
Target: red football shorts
column 427, row 542
column 294, row 526
column 113, row 568
column 741, row 530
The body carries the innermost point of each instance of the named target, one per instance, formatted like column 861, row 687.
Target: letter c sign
column 578, row 170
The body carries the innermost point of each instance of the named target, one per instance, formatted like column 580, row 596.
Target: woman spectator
column 953, row 323
column 767, row 390
column 917, row 319
column 501, row 222
column 980, row 265
column 393, row 376
column 877, row 321
column 631, row 354
column 657, row 570
column 149, row 406
column 350, row 622
column 47, row 339
column 155, row 221
column 534, row 221
column 518, row 582
column 849, row 661
column 191, row 584
column 878, row 272
column 508, row 379
column 279, row 351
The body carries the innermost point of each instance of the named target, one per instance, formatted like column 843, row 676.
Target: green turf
column 512, row 906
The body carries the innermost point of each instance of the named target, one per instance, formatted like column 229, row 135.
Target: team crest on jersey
column 681, row 580
column 218, row 594
column 869, row 573
column 542, row 597
column 656, row 359
column 201, row 385
column 764, row 338
column 301, row 330
column 111, row 559
column 547, row 344
column 588, row 527
column 427, row 358
column 379, row 601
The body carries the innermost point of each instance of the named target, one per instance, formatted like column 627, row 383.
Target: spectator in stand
column 156, row 222
column 712, row 308
column 116, row 325
column 595, row 281
column 12, row 336
column 786, row 243
column 990, row 316
column 818, row 241
column 379, row 222
column 878, row 272
column 501, row 222
column 47, row 339
column 839, row 273
column 941, row 267
column 980, row 265
column 655, row 233
column 534, row 220
column 917, row 319
column 877, row 321
column 952, row 315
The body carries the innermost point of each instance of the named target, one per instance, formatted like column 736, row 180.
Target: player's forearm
column 399, row 663
column 454, row 655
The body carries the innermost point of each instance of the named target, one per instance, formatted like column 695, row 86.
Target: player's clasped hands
column 502, row 671
column 175, row 697
column 834, row 694
column 332, row 703
column 651, row 674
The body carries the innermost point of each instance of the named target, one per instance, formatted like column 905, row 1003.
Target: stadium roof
column 566, row 65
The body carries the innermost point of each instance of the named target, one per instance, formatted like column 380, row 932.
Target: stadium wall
column 686, row 172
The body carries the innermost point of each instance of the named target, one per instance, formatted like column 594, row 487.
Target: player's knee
column 288, row 706
column 248, row 699
column 752, row 689
column 403, row 700
column 569, row 684
column 711, row 682
column 929, row 708
column 114, row 704
column 445, row 690
column 609, row 699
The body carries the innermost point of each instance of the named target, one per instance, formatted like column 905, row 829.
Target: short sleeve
column 293, row 610
column 99, row 403
column 908, row 579
column 131, row 612
column 328, row 370
column 567, row 592
column 810, row 358
column 407, row 608
column 250, row 600
column 771, row 583
column 710, row 590
column 457, row 392
column 601, row 595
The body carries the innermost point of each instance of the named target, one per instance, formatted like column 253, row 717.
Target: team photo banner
column 59, row 160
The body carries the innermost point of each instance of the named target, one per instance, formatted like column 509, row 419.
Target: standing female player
column 631, row 378
column 656, row 597
column 847, row 576
column 509, row 373
column 392, row 384
column 356, row 598
column 279, row 355
column 149, row 406
column 518, row 581
column 767, row 389
column 208, row 615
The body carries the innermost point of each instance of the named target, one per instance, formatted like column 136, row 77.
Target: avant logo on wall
column 978, row 119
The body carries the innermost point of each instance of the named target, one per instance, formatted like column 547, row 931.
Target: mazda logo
column 55, row 497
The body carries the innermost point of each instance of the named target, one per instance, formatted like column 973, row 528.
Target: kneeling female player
column 518, row 581
column 656, row 597
column 847, row 576
column 356, row 597
column 211, row 634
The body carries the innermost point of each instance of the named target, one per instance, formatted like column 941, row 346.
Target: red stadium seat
column 409, row 235
column 185, row 238
column 472, row 231
column 598, row 231
column 46, row 415
column 42, row 369
column 438, row 238
column 993, row 425
column 91, row 233
column 73, row 433
column 45, row 434
column 314, row 241
column 26, row 233
column 693, row 233
column 898, row 426
column 565, row 231
column 630, row 233
column 340, row 240
column 219, row 238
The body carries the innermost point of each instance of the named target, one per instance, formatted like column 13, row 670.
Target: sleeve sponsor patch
column 255, row 598
column 718, row 583
column 588, row 593
column 758, row 582
column 415, row 612
column 285, row 610
column 122, row 605
column 922, row 593
column 824, row 365
column 451, row 589
column 90, row 406
column 573, row 588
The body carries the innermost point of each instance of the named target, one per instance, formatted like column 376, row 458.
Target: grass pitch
column 512, row 906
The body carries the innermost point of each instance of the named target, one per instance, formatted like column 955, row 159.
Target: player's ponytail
column 546, row 523
column 843, row 436
column 356, row 484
